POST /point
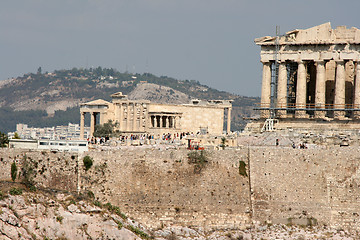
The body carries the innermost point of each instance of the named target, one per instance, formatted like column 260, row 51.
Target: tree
column 13, row 171
column 88, row 162
column 106, row 129
column 16, row 136
column 4, row 140
column 39, row 70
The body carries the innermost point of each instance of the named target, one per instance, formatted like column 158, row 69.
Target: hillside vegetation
column 48, row 99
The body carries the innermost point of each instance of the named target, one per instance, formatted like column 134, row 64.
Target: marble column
column 282, row 90
column 146, row 118
column 167, row 122
column 228, row 124
column 82, row 125
column 141, row 118
column 320, row 88
column 134, row 128
column 339, row 102
column 301, row 90
column 121, row 117
column 155, row 122
column 357, row 90
column 128, row 116
column 92, row 123
column 161, row 121
column 266, row 90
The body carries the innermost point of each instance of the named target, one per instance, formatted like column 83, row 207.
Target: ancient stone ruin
column 311, row 74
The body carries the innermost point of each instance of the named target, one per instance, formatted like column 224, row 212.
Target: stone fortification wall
column 48, row 169
column 195, row 116
column 306, row 185
column 159, row 187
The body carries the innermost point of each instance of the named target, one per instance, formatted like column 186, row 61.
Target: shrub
column 198, row 159
column 88, row 162
column 1, row 195
column 59, row 219
column 28, row 172
column 223, row 143
column 120, row 225
column 138, row 232
column 242, row 169
column 91, row 194
column 97, row 203
column 15, row 191
column 13, row 171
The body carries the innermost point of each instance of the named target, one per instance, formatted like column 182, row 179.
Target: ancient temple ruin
column 145, row 117
column 311, row 73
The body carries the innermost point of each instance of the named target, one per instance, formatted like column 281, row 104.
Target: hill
column 48, row 99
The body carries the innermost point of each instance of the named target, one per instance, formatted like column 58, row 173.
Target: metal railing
column 308, row 107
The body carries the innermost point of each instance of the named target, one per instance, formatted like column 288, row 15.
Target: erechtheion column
column 339, row 102
column 266, row 89
column 92, row 123
column 161, row 121
column 282, row 90
column 82, row 125
column 128, row 117
column 121, row 117
column 301, row 90
column 357, row 90
column 134, row 117
column 228, row 125
column 320, row 88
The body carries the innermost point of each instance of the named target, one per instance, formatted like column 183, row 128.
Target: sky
column 211, row 41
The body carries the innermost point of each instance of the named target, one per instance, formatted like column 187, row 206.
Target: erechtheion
column 142, row 116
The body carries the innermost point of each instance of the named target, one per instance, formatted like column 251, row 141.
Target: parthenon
column 318, row 75
column 142, row 116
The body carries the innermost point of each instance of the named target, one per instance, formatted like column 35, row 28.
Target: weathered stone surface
column 305, row 53
column 160, row 188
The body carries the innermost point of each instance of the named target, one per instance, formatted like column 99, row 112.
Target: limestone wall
column 159, row 187
column 50, row 170
column 194, row 117
column 297, row 185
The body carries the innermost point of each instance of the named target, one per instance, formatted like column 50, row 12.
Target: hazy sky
column 211, row 41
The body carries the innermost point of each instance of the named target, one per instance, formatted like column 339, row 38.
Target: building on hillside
column 71, row 131
column 51, row 145
column 311, row 74
column 142, row 116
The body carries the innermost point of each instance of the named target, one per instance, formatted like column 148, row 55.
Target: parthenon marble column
column 320, row 88
column 357, row 90
column 301, row 90
column 282, row 90
column 82, row 124
column 339, row 102
column 266, row 89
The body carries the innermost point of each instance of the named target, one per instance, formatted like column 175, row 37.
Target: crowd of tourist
column 168, row 137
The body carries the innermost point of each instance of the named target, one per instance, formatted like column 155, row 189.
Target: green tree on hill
column 4, row 140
